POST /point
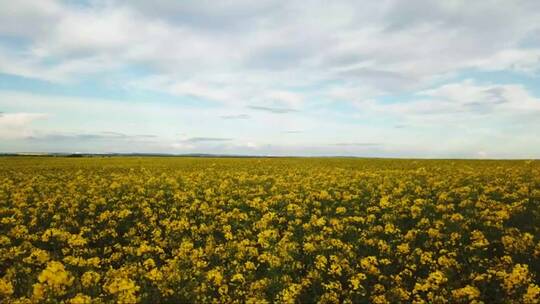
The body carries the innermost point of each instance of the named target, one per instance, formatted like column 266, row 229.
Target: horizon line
column 217, row 155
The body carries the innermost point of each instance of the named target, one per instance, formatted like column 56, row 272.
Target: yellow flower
column 38, row 292
column 76, row 241
column 433, row 282
column 238, row 277
column 54, row 278
column 90, row 278
column 149, row 263
column 369, row 264
column 38, row 256
column 309, row 247
column 154, row 275
column 215, row 276
column 124, row 289
column 341, row 210
column 433, row 233
column 532, row 295
column 517, row 242
column 478, row 239
column 403, row 248
column 267, row 230
column 80, row 299
column 357, row 280
column 517, row 278
column 289, row 294
column 6, row 289
column 143, row 248
column 379, row 299
column 324, row 195
column 390, row 228
column 384, row 202
column 250, row 266
column 415, row 211
column 320, row 222
column 456, row 217
column 320, row 262
column 468, row 293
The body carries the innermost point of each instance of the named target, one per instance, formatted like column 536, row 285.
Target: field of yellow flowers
column 202, row 230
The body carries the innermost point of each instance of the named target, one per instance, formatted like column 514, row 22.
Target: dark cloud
column 236, row 116
column 492, row 98
column 114, row 134
column 272, row 109
column 206, row 139
column 496, row 95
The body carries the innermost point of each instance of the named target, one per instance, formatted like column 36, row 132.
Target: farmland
column 256, row 230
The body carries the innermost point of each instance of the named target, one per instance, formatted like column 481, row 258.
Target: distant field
column 183, row 230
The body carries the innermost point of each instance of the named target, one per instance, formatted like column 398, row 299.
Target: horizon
column 217, row 155
column 272, row 78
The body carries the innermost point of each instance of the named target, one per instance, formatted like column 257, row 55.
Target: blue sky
column 442, row 79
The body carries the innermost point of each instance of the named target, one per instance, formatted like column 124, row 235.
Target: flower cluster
column 184, row 230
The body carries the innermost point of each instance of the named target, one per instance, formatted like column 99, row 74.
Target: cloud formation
column 272, row 110
column 18, row 125
column 358, row 144
column 235, row 116
column 275, row 42
column 468, row 70
column 206, row 139
column 106, row 136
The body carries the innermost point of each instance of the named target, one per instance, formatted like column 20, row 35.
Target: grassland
column 184, row 230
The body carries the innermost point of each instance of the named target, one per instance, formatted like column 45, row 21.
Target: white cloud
column 28, row 18
column 258, row 59
column 18, row 125
column 470, row 97
column 466, row 100
column 262, row 48
column 524, row 60
column 288, row 99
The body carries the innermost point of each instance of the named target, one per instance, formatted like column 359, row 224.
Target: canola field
column 262, row 230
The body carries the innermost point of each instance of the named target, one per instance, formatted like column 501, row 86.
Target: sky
column 390, row 78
